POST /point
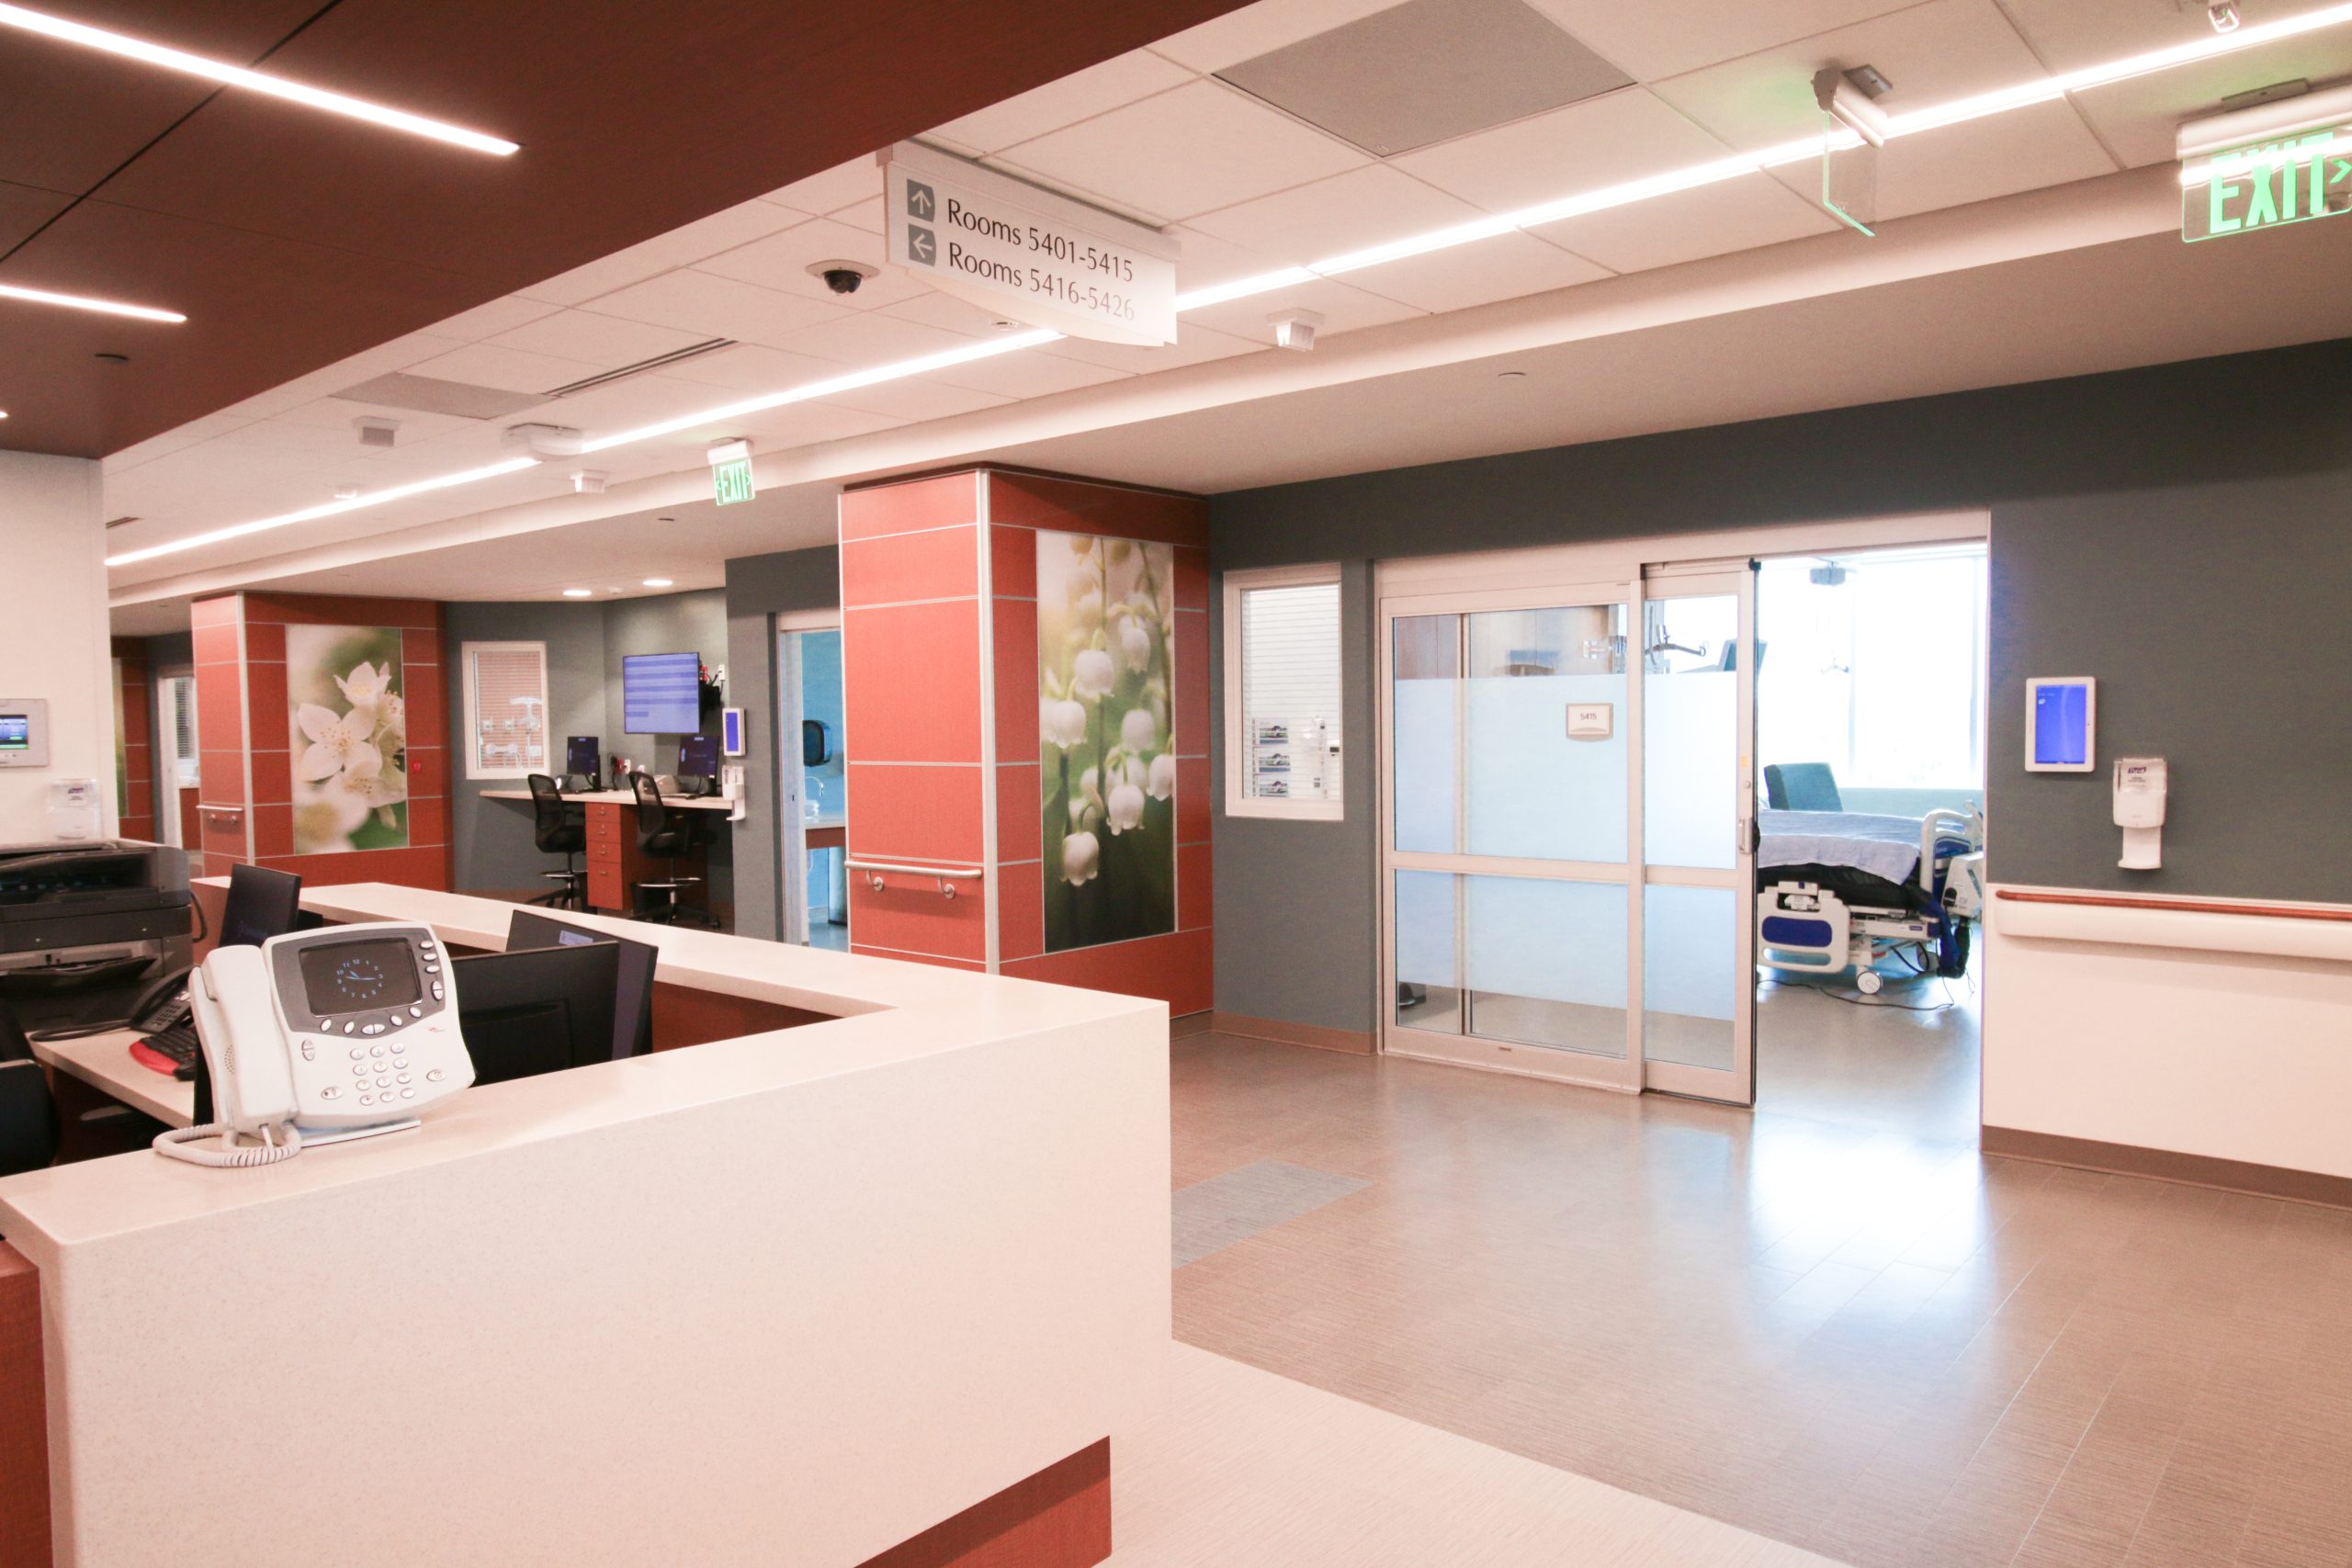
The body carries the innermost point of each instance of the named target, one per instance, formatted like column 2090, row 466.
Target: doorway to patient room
column 814, row 799
column 1870, row 720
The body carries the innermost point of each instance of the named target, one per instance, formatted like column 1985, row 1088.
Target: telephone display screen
column 359, row 976
column 15, row 732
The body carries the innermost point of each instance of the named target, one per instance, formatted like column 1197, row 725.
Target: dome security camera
column 843, row 277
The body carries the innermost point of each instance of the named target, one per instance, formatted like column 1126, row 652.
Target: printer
column 107, row 910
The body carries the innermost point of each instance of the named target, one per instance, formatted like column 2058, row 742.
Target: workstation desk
column 882, row 1271
column 615, row 865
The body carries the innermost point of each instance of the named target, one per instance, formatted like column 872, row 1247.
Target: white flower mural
column 349, row 730
column 1105, row 616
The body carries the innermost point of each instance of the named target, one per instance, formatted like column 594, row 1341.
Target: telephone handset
column 164, row 1005
column 318, row 1036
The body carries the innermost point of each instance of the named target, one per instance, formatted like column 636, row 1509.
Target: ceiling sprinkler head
column 2223, row 14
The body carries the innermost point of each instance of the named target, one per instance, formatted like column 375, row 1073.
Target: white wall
column 53, row 640
column 2242, row 1055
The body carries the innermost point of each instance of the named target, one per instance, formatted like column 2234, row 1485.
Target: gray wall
column 491, row 847
column 758, row 589
column 2184, row 532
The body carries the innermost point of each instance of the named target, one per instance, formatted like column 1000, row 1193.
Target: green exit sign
column 731, row 480
column 2267, row 186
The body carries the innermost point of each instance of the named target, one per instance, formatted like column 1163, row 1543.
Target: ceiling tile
column 781, row 262
column 1363, row 206
column 837, row 188
column 697, row 301
column 1503, row 266
column 805, row 424
column 1587, row 146
column 1026, row 373
column 1253, row 29
column 1650, row 43
column 2069, row 35
column 490, row 318
column 2024, row 150
column 1343, row 307
column 1192, row 149
column 179, row 438
column 633, row 400
column 1088, row 93
column 721, row 230
column 1933, row 53
column 1203, row 260
column 2138, row 118
column 605, row 342
column 915, row 400
column 1194, row 345
column 508, row 369
column 337, row 413
column 1736, row 215
column 751, row 367
column 867, row 215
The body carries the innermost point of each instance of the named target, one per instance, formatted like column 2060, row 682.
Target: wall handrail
column 947, row 876
column 2172, row 906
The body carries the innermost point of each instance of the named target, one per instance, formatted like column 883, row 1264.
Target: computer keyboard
column 178, row 1046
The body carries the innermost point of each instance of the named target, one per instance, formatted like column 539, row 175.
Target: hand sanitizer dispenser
column 2140, row 811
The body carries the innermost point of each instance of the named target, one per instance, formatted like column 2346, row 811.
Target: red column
column 944, row 738
column 252, row 747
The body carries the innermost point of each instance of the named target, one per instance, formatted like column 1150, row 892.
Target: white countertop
column 105, row 1062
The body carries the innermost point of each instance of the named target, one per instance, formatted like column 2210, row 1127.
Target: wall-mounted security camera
column 843, row 277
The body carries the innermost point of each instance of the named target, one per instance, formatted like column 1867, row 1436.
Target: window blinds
column 1290, row 691
column 509, row 708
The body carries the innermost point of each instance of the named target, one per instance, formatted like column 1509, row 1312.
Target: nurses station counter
column 884, row 1280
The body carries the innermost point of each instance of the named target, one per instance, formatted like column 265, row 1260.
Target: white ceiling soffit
column 2094, row 213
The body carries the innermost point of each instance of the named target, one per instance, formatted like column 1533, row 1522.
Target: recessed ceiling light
column 171, row 59
column 87, row 302
column 1510, row 374
column 656, row 583
column 579, row 592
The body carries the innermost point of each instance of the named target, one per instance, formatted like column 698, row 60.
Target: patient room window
column 1873, row 663
column 1281, row 693
column 506, row 709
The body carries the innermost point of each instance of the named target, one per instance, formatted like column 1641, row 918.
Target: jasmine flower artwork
column 348, row 727
column 1105, row 625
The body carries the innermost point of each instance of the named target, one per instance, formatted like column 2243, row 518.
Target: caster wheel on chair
column 1867, row 982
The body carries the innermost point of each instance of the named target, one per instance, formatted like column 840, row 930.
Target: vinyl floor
column 1836, row 1330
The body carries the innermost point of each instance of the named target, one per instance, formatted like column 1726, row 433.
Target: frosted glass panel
column 1690, row 954
column 1689, row 732
column 1428, row 745
column 1546, row 962
column 1534, row 793
column 1427, row 993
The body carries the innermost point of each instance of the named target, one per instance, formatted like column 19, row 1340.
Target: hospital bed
column 1843, row 890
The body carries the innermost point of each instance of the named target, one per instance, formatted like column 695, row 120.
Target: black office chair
column 29, row 1130
column 670, row 834
column 1801, row 786
column 559, row 833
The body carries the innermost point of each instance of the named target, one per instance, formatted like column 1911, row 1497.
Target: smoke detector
column 545, row 442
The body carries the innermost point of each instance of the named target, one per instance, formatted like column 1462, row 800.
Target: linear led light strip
column 85, row 302
column 1695, row 178
column 171, row 59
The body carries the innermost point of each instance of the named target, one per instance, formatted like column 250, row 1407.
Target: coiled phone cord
column 269, row 1151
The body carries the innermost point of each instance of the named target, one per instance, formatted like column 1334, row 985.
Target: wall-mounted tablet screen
column 2061, row 724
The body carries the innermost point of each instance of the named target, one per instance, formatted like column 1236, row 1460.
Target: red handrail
column 2182, row 906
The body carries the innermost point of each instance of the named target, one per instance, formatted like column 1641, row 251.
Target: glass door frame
column 1736, row 1085
column 792, row 829
column 1623, row 1074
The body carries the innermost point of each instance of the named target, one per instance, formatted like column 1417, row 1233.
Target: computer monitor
column 581, row 756
column 538, row 1010
column 699, row 756
column 633, row 998
column 660, row 694
column 261, row 903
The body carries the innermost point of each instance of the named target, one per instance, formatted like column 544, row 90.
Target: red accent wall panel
column 1196, row 896
column 910, row 915
column 907, row 506
column 1192, row 800
column 1088, row 506
column 23, row 1416
column 1020, row 815
column 1192, row 683
column 1015, row 640
column 911, row 681
column 938, row 563
column 1019, row 908
column 912, row 812
column 135, row 811
column 1178, row 969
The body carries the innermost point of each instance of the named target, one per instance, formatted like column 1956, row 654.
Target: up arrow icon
column 921, row 202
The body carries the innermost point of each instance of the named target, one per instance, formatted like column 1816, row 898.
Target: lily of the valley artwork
column 350, row 739
column 1106, row 615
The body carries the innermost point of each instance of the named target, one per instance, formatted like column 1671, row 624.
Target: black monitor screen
column 357, row 977
column 580, row 755
column 261, row 904
column 698, row 755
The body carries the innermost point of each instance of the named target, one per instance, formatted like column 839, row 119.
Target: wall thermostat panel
column 24, row 732
column 2061, row 724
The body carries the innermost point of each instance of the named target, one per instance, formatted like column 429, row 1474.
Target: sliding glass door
column 1567, row 813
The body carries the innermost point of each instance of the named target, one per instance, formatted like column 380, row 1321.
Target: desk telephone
column 321, row 1036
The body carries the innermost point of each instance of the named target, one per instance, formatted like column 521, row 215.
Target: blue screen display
column 2062, row 726
column 660, row 694
column 699, row 756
